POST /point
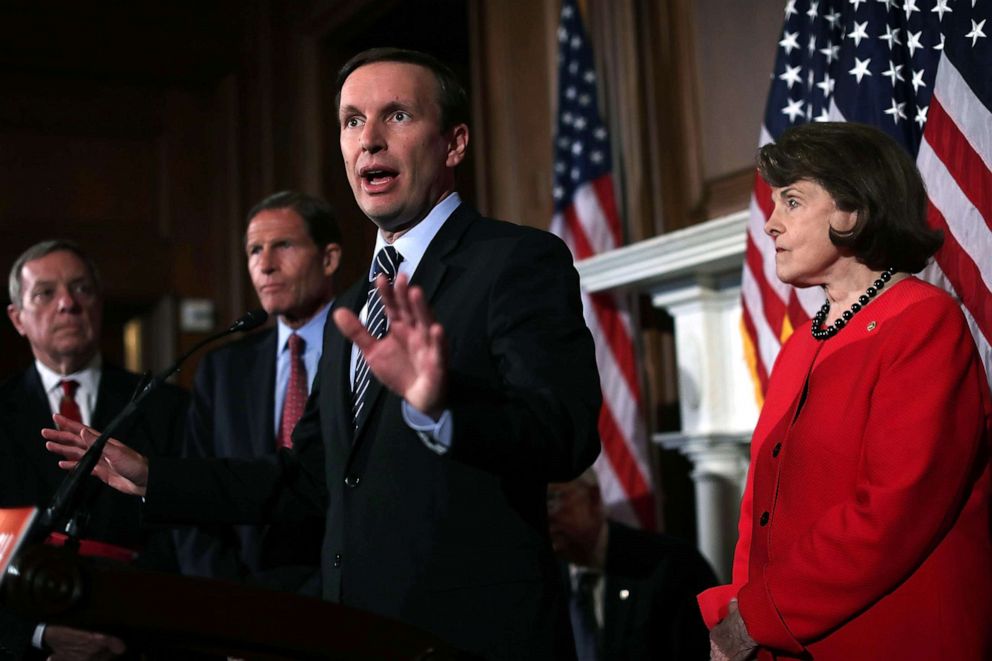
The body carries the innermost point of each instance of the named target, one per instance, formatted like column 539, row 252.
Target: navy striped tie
column 387, row 261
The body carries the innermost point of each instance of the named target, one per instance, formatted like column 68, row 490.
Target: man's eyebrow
column 393, row 106
column 348, row 109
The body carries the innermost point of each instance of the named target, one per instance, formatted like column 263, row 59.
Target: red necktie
column 68, row 406
column 296, row 392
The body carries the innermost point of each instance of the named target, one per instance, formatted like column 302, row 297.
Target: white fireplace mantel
column 713, row 248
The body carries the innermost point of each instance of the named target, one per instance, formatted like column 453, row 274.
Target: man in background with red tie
column 249, row 394
column 56, row 303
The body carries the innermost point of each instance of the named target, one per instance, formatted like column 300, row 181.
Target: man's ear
column 331, row 258
column 457, row 144
column 14, row 313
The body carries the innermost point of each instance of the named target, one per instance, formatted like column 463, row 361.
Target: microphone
column 250, row 321
column 64, row 500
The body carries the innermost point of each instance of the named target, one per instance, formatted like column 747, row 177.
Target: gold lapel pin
column 872, row 325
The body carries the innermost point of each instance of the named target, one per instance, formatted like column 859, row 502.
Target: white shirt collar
column 88, row 377
column 413, row 243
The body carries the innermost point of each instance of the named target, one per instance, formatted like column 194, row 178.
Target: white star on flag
column 896, row 111
column 976, row 32
column 860, row 69
column 791, row 75
column 860, row 32
column 793, row 109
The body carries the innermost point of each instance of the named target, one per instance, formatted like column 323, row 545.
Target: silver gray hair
column 42, row 249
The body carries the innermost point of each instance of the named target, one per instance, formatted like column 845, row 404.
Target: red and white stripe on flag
column 586, row 218
column 955, row 160
column 923, row 77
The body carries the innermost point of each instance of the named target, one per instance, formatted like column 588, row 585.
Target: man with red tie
column 249, row 394
column 56, row 303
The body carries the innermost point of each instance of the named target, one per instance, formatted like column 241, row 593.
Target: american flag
column 921, row 70
column 586, row 219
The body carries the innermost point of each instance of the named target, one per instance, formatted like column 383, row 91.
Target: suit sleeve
column 919, row 455
column 161, row 429
column 206, row 550
column 286, row 487
column 546, row 403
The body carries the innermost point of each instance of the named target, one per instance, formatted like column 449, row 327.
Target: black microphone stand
column 65, row 499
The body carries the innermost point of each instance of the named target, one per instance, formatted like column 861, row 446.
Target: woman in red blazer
column 864, row 529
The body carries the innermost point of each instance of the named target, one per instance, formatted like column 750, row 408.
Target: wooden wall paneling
column 256, row 90
column 226, row 209
column 309, row 137
column 80, row 160
column 672, row 33
column 105, row 119
column 512, row 121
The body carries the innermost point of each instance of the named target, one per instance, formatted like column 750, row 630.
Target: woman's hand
column 729, row 640
column 119, row 467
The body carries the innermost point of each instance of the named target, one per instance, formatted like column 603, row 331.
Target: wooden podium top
column 163, row 612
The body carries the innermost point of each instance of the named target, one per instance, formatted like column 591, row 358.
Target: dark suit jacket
column 29, row 474
column 649, row 600
column 231, row 415
column 456, row 543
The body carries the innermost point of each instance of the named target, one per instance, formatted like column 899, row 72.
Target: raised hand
column 411, row 360
column 119, row 467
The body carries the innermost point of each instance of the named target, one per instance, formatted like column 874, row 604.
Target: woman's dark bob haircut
column 864, row 170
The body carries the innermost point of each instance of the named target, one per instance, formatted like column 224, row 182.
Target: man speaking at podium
column 56, row 302
column 457, row 380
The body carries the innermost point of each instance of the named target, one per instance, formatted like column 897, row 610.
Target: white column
column 716, row 403
column 719, row 469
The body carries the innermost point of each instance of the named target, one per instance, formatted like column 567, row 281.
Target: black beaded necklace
column 821, row 333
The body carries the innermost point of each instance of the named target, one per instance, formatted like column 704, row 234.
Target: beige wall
column 735, row 52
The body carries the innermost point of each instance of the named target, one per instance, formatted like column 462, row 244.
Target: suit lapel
column 261, row 395
column 430, row 272
column 110, row 397
column 336, row 377
column 31, row 415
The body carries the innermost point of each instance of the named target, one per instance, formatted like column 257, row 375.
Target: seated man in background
column 631, row 592
column 56, row 303
column 248, row 395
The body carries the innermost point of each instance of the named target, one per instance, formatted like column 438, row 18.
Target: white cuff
column 435, row 435
column 38, row 637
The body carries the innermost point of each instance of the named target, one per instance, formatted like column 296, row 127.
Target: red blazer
column 864, row 529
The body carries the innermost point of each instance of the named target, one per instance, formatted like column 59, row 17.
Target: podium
column 186, row 617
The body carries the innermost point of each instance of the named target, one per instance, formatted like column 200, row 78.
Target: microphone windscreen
column 250, row 321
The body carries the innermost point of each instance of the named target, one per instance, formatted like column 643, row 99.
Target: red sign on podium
column 14, row 526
